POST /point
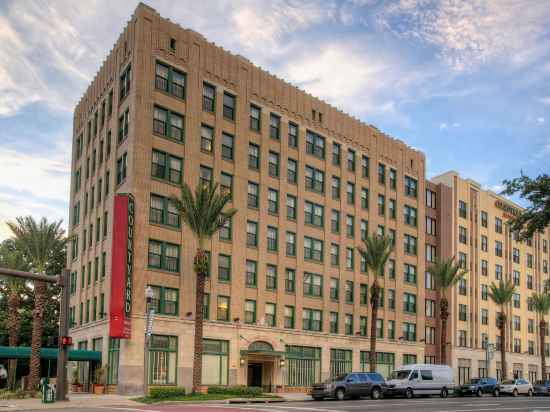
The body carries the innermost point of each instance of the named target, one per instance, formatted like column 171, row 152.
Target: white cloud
column 469, row 32
column 544, row 100
column 540, row 120
column 443, row 126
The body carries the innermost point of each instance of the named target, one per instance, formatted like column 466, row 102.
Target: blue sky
column 467, row 82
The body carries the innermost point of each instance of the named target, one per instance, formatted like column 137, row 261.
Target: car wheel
column 317, row 398
column 496, row 393
column 409, row 393
column 340, row 394
column 444, row 393
column 530, row 392
column 375, row 393
column 478, row 393
column 515, row 392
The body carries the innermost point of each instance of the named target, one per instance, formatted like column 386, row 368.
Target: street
column 485, row 404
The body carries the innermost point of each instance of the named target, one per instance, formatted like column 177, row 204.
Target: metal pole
column 63, row 354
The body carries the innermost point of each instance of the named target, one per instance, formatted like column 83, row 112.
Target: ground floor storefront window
column 385, row 362
column 463, row 375
column 303, row 365
column 112, row 361
column 340, row 361
column 215, row 362
column 163, row 359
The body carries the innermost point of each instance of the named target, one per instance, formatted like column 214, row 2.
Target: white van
column 421, row 379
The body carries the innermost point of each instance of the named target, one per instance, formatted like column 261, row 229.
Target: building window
column 410, row 273
column 462, row 209
column 315, row 144
column 364, row 198
column 393, row 179
column 365, row 166
column 462, row 312
column 462, row 339
column 335, row 221
column 163, row 355
column 229, row 104
column 271, row 314
column 515, row 255
column 167, row 123
column 292, row 171
column 312, row 320
column 250, row 311
column 227, row 146
column 516, row 277
column 272, row 239
column 253, row 156
column 123, row 126
column 430, row 308
column 484, row 219
column 215, row 362
column 251, row 273
column 162, row 211
column 348, row 324
column 112, row 361
column 315, row 179
column 410, row 215
column 411, row 186
column 313, row 249
column 364, row 228
column 313, row 285
column 290, row 280
column 226, row 231
column 350, row 193
column 348, row 291
column 462, row 235
column 314, row 214
column 251, row 233
column 222, row 308
column 271, row 277
column 293, row 135
column 291, row 244
column 274, row 126
column 255, row 117
column 273, row 164
column 410, row 244
column 382, row 174
column 484, row 292
column 350, row 226
column 351, row 160
column 272, row 201
column 224, row 268
column 350, row 258
column 516, row 299
column 336, row 154
column 409, row 334
column 333, row 322
column 125, row 82
column 335, row 188
column 165, row 300
column 303, row 365
column 381, row 205
column 208, row 98
column 205, row 175
column 430, row 335
column 167, row 79
column 289, row 317
column 334, row 289
column 291, row 207
column 166, row 167
column 498, row 225
column 498, row 248
column 409, row 302
column 253, row 199
column 121, row 165
column 392, row 208
column 164, row 255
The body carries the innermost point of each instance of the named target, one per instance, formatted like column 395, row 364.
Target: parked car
column 350, row 385
column 3, row 375
column 479, row 386
column 542, row 388
column 516, row 387
column 421, row 379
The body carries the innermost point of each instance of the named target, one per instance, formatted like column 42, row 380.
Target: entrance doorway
column 255, row 371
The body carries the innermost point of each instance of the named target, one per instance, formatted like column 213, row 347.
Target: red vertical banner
column 122, row 260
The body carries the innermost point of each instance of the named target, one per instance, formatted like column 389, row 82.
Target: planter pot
column 203, row 389
column 99, row 389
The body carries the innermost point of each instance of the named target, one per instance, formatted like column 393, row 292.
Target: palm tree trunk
column 201, row 269
column 14, row 325
column 37, row 327
column 542, row 333
column 503, row 346
column 444, row 313
column 375, row 296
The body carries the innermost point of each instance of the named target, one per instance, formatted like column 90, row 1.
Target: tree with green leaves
column 537, row 215
column 376, row 252
column 13, row 289
column 204, row 213
column 446, row 274
column 40, row 242
column 501, row 295
column 541, row 303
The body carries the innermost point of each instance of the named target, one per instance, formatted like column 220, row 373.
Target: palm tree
column 204, row 214
column 446, row 274
column 40, row 242
column 375, row 253
column 541, row 302
column 502, row 295
column 13, row 288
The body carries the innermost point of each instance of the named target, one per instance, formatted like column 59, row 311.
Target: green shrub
column 166, row 393
column 239, row 390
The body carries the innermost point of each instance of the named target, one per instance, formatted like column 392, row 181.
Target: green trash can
column 48, row 391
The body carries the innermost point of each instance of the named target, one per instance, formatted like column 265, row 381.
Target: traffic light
column 66, row 341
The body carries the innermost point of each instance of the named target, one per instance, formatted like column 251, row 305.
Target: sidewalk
column 76, row 400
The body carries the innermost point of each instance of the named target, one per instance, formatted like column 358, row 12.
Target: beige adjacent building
column 287, row 296
column 473, row 228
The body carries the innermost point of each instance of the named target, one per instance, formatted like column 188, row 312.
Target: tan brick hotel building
column 287, row 295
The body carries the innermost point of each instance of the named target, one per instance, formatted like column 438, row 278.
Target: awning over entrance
column 24, row 352
column 261, row 348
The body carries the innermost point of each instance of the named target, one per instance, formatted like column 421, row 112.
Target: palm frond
column 502, row 293
column 446, row 273
column 376, row 252
column 541, row 303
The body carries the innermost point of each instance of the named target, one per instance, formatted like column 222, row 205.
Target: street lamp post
column 149, row 313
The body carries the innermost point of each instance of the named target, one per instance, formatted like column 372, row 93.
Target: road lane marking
column 303, row 408
column 517, row 408
column 128, row 409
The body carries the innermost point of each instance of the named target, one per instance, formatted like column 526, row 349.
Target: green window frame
column 333, row 322
column 303, row 365
column 94, row 309
column 125, row 82
column 215, row 362
column 270, row 314
column 165, row 300
column 290, row 280
column 170, row 80
column 167, row 167
column 290, row 313
column 340, row 361
column 312, row 319
column 224, row 268
column 315, row 144
column 113, row 358
column 271, row 277
column 313, row 285
column 250, row 311
column 206, row 308
column 363, row 294
column 169, row 124
column 385, row 362
column 223, row 308
column 251, row 279
column 161, row 256
column 102, row 306
column 163, row 360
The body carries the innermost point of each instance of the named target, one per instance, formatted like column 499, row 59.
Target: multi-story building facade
column 287, row 297
column 472, row 227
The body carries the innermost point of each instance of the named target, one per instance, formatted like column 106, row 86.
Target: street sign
column 491, row 347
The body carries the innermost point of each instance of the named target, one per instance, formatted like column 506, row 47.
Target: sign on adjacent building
column 509, row 211
column 122, row 262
